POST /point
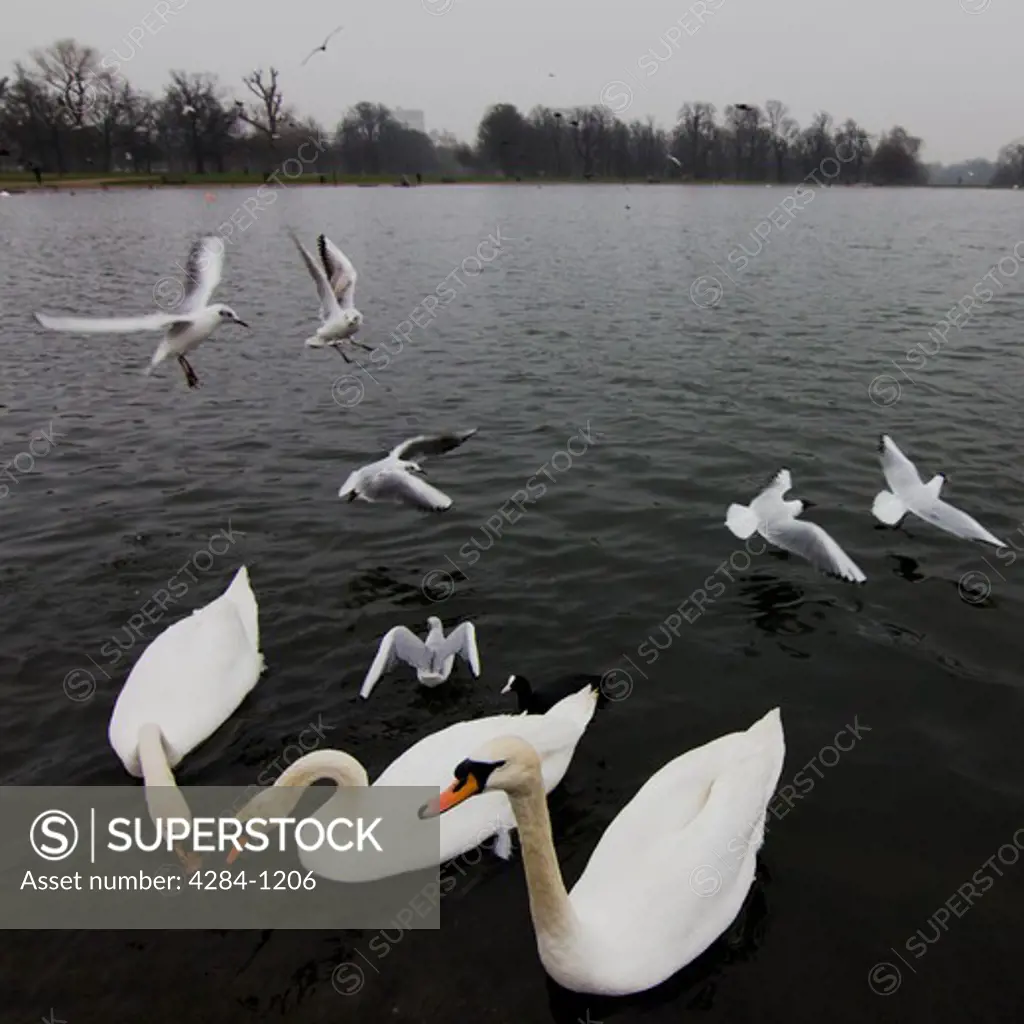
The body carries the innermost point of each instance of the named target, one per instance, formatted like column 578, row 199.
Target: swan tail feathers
column 741, row 521
column 770, row 741
column 768, row 729
column 578, row 707
column 241, row 596
column 888, row 508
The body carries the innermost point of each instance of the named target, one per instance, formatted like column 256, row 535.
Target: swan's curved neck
column 335, row 765
column 552, row 913
column 163, row 798
column 288, row 787
column 155, row 768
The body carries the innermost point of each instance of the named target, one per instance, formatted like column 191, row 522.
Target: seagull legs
column 190, row 375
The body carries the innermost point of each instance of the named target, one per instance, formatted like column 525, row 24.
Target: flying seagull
column 192, row 322
column 908, row 494
column 323, row 45
column 396, row 477
column 776, row 521
column 432, row 658
column 335, row 280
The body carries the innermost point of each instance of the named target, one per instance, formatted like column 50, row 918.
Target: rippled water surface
column 580, row 335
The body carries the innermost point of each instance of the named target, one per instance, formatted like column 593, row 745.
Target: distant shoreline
column 22, row 183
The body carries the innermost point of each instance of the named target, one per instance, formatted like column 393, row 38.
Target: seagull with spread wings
column 192, row 322
column 776, row 521
column 432, row 658
column 323, row 45
column 908, row 493
column 335, row 279
column 396, row 477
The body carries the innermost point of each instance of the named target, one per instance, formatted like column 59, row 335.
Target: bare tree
column 853, row 148
column 69, row 72
column 267, row 114
column 194, row 109
column 782, row 131
column 695, row 138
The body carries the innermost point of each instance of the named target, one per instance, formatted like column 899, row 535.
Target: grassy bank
column 25, row 181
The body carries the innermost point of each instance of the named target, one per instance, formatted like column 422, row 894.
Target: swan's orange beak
column 233, row 854
column 451, row 797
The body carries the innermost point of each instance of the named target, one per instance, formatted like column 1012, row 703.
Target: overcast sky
column 947, row 75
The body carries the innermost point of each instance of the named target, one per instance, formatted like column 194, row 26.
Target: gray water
column 581, row 333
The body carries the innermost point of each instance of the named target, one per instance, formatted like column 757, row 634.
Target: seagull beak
column 241, row 323
column 451, row 797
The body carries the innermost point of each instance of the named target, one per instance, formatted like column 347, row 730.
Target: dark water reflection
column 586, row 320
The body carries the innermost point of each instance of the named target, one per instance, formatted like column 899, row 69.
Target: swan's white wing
column 900, row 473
column 202, row 273
column 810, row 541
column 462, row 641
column 398, row 485
column 949, row 518
column 328, row 303
column 340, row 272
column 424, row 445
column 399, row 644
column 110, row 325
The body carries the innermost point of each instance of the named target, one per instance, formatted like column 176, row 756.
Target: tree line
column 63, row 111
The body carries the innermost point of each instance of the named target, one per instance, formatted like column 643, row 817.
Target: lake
column 647, row 355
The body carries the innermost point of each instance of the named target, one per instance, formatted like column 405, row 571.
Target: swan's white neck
column 336, row 765
column 163, row 798
column 288, row 787
column 155, row 768
column 554, row 919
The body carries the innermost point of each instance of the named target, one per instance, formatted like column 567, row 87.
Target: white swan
column 553, row 736
column 185, row 685
column 669, row 874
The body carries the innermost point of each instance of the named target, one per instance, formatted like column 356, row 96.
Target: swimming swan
column 186, row 684
column 553, row 736
column 669, row 874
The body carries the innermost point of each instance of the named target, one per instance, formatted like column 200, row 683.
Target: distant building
column 412, row 119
